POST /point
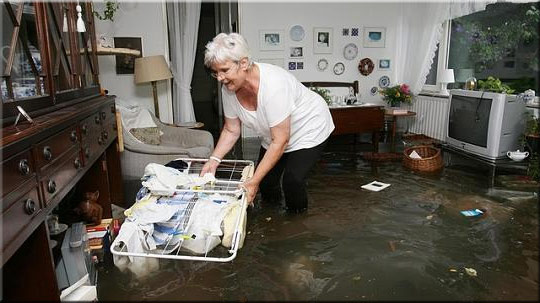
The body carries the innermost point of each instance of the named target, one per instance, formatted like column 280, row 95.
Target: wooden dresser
column 41, row 163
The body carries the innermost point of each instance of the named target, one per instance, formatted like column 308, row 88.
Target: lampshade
column 151, row 68
column 446, row 76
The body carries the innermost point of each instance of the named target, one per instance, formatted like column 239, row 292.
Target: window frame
column 444, row 45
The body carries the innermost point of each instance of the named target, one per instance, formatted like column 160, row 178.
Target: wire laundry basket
column 229, row 175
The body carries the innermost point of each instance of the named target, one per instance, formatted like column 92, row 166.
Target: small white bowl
column 517, row 155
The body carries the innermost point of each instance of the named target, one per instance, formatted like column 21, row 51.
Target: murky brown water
column 407, row 242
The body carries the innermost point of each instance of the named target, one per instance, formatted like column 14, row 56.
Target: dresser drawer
column 51, row 149
column 91, row 139
column 16, row 170
column 65, row 171
column 19, row 215
column 109, row 132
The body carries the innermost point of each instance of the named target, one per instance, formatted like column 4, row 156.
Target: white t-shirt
column 281, row 95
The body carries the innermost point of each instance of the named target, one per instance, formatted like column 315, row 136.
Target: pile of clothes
column 164, row 218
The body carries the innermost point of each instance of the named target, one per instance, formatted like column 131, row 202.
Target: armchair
column 176, row 142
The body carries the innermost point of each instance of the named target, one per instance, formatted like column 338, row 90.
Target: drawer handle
column 51, row 186
column 77, row 163
column 84, row 129
column 113, row 109
column 103, row 115
column 73, row 136
column 96, row 119
column 29, row 206
column 47, row 153
column 23, row 167
column 105, row 135
column 87, row 152
column 100, row 140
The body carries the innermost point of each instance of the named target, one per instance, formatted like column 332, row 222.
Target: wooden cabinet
column 43, row 162
column 359, row 119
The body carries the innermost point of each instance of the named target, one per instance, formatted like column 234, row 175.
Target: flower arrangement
column 396, row 94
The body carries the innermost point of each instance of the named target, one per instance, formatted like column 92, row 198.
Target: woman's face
column 230, row 73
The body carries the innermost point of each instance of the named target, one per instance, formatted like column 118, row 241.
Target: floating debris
column 356, row 278
column 470, row 271
column 268, row 219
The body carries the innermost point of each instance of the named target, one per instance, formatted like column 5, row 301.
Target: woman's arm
column 228, row 137
column 280, row 138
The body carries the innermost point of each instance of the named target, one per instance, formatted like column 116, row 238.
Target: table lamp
column 445, row 76
column 152, row 69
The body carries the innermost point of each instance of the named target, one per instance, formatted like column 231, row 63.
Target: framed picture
column 271, row 40
column 276, row 61
column 292, row 65
column 296, row 52
column 384, row 64
column 374, row 36
column 323, row 38
column 126, row 64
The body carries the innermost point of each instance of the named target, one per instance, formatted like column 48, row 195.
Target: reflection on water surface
column 407, row 242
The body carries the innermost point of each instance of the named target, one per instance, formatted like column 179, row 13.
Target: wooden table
column 354, row 119
column 394, row 122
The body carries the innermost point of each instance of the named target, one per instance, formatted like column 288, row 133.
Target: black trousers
column 290, row 173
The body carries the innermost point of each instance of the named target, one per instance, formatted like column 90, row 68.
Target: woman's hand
column 209, row 167
column 251, row 187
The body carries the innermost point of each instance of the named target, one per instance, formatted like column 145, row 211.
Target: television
column 484, row 124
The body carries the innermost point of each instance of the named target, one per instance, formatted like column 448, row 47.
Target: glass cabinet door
column 88, row 66
column 60, row 26
column 21, row 64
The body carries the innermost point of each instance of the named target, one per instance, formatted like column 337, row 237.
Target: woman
column 293, row 122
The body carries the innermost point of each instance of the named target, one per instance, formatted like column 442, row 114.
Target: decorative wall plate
column 350, row 51
column 374, row 90
column 339, row 68
column 384, row 81
column 322, row 65
column 297, row 33
column 365, row 67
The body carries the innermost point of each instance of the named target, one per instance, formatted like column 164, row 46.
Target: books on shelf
column 96, row 233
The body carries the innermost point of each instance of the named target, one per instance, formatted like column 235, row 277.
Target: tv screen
column 469, row 119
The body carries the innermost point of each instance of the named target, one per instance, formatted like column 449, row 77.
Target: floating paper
column 375, row 186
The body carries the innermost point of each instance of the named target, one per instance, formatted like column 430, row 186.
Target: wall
column 282, row 16
column 136, row 19
column 254, row 17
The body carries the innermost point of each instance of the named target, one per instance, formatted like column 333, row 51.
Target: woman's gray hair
column 226, row 47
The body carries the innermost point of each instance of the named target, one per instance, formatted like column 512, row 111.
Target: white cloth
column 229, row 223
column 205, row 224
column 183, row 21
column 281, row 95
column 419, row 30
column 161, row 180
column 134, row 116
column 130, row 235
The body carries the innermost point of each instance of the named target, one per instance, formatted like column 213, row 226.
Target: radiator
column 431, row 116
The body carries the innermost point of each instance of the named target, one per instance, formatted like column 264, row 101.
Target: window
column 501, row 41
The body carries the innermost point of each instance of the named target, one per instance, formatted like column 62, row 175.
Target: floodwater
column 406, row 242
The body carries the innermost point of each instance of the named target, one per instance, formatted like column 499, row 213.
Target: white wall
column 136, row 19
column 282, row 16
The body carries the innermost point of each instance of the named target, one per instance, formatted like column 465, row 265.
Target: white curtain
column 183, row 20
column 419, row 30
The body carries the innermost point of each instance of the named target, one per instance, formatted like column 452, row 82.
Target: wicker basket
column 431, row 158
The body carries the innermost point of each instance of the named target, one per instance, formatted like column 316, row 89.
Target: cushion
column 148, row 135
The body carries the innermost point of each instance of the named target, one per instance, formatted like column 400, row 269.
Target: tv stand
column 492, row 164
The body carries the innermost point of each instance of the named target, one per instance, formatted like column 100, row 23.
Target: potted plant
column 396, row 95
column 495, row 85
column 323, row 92
column 532, row 134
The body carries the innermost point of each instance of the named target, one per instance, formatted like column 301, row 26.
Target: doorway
column 205, row 90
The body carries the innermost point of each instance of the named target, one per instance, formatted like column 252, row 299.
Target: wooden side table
column 395, row 116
